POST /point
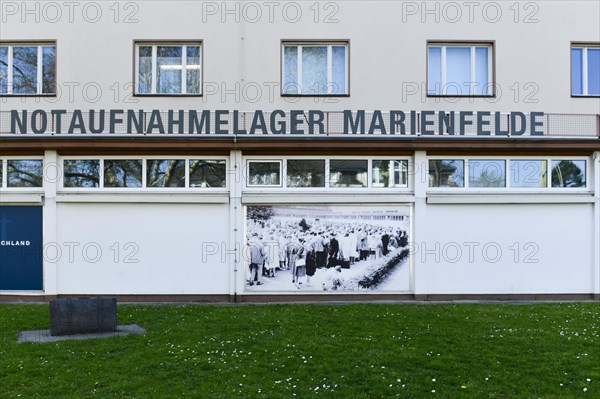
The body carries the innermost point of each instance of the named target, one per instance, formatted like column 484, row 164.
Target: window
column 165, row 173
column 123, row 173
column 493, row 173
column 460, row 70
column 207, row 173
column 27, row 69
column 532, row 173
column 568, row 173
column 24, row 173
column 487, row 173
column 84, row 173
column 585, row 70
column 348, row 173
column 264, row 173
column 168, row 68
column 446, row 173
column 386, row 173
column 315, row 68
column 305, row 173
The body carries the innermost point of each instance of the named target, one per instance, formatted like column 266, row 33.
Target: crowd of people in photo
column 296, row 248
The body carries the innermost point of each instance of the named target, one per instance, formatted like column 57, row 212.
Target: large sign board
column 279, row 122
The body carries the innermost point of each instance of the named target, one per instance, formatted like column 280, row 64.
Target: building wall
column 387, row 51
column 190, row 243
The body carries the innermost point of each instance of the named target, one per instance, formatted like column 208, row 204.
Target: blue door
column 21, row 248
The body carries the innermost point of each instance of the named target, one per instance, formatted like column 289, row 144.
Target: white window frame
column 472, row 86
column 584, row 68
column 153, row 86
column 329, row 45
column 370, row 188
column 390, row 160
column 144, row 189
column 4, row 165
column 40, row 68
column 508, row 174
column 282, row 175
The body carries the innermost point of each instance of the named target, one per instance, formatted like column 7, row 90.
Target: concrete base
column 83, row 315
column 42, row 336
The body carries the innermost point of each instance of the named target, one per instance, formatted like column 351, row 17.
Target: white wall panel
column 171, row 240
column 472, row 249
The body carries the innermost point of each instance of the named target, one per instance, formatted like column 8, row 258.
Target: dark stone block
column 83, row 315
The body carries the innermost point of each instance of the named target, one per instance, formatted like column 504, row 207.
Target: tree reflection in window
column 207, row 173
column 123, row 173
column 165, row 173
column 306, row 173
column 486, row 173
column 81, row 173
column 25, row 173
column 446, row 173
column 568, row 173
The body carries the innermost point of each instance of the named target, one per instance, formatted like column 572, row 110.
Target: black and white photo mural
column 356, row 248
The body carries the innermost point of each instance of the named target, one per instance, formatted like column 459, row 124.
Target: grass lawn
column 314, row 351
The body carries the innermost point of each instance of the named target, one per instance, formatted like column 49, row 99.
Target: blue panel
column 434, row 73
column 593, row 58
column 576, row 72
column 21, row 248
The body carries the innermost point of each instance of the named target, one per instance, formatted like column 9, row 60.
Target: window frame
column 313, row 43
column 144, row 188
column 584, row 46
column 282, row 173
column 369, row 189
column 491, row 44
column 4, row 166
column 548, row 189
column 40, row 44
column 154, row 44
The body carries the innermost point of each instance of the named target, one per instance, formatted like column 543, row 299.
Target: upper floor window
column 315, row 68
column 461, row 69
column 585, row 70
column 27, row 69
column 168, row 68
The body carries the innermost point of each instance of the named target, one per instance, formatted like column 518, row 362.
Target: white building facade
column 262, row 151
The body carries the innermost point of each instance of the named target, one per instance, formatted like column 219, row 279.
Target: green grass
column 314, row 351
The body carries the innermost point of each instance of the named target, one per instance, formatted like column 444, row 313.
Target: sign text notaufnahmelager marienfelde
column 277, row 122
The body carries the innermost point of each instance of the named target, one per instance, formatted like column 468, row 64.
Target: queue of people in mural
column 301, row 253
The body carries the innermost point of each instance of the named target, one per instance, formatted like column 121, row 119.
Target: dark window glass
column 165, row 173
column 25, row 173
column 264, row 173
column 25, row 60
column 81, row 173
column 568, row 173
column 446, row 173
column 348, row 173
column 207, row 173
column 305, row 173
column 123, row 173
